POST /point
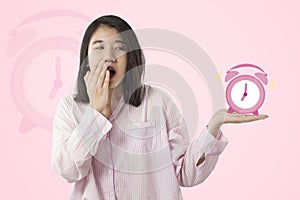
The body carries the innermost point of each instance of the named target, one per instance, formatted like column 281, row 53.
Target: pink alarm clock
column 245, row 93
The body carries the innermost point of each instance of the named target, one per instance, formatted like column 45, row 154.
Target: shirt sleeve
column 185, row 154
column 74, row 143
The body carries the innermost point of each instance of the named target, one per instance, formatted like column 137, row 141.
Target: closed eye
column 99, row 47
column 121, row 48
column 117, row 48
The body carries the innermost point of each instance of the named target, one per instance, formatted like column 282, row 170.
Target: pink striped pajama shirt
column 140, row 153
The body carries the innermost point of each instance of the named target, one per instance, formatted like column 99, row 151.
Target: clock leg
column 230, row 110
column 255, row 113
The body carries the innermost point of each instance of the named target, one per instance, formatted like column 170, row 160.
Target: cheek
column 122, row 60
column 94, row 59
column 124, row 65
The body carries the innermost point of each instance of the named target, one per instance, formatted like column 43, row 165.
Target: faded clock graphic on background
column 44, row 55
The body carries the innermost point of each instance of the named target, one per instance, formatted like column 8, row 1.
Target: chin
column 112, row 85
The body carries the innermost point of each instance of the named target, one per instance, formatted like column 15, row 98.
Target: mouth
column 112, row 72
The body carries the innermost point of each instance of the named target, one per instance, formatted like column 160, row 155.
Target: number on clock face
column 245, row 94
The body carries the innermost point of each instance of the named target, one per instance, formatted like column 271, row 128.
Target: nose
column 109, row 56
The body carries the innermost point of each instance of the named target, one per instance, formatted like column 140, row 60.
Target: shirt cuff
column 208, row 144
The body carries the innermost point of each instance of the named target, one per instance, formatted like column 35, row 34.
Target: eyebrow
column 116, row 41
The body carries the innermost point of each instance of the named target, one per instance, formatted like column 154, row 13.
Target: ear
column 262, row 77
column 230, row 75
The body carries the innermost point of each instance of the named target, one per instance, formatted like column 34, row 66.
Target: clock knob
column 58, row 83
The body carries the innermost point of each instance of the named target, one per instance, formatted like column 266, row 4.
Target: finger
column 253, row 117
column 94, row 68
column 265, row 116
column 262, row 116
column 103, row 75
column 245, row 118
column 106, row 81
column 98, row 73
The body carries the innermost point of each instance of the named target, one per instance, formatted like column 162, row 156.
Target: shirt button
column 111, row 194
column 210, row 146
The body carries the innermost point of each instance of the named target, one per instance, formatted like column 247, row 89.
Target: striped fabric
column 140, row 153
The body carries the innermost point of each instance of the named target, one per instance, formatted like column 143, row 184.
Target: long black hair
column 133, row 88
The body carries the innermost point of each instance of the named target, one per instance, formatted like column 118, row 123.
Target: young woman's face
column 106, row 44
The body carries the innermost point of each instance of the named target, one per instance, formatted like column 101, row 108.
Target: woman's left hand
column 223, row 117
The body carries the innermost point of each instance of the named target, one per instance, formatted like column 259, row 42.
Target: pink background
column 260, row 161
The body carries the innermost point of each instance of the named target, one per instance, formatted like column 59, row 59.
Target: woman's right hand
column 97, row 84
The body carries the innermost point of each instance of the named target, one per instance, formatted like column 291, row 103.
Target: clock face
column 32, row 75
column 245, row 94
column 45, row 51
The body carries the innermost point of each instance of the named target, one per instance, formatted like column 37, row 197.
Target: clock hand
column 57, row 82
column 58, row 68
column 243, row 97
column 245, row 93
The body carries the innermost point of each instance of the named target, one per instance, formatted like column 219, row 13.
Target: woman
column 117, row 138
